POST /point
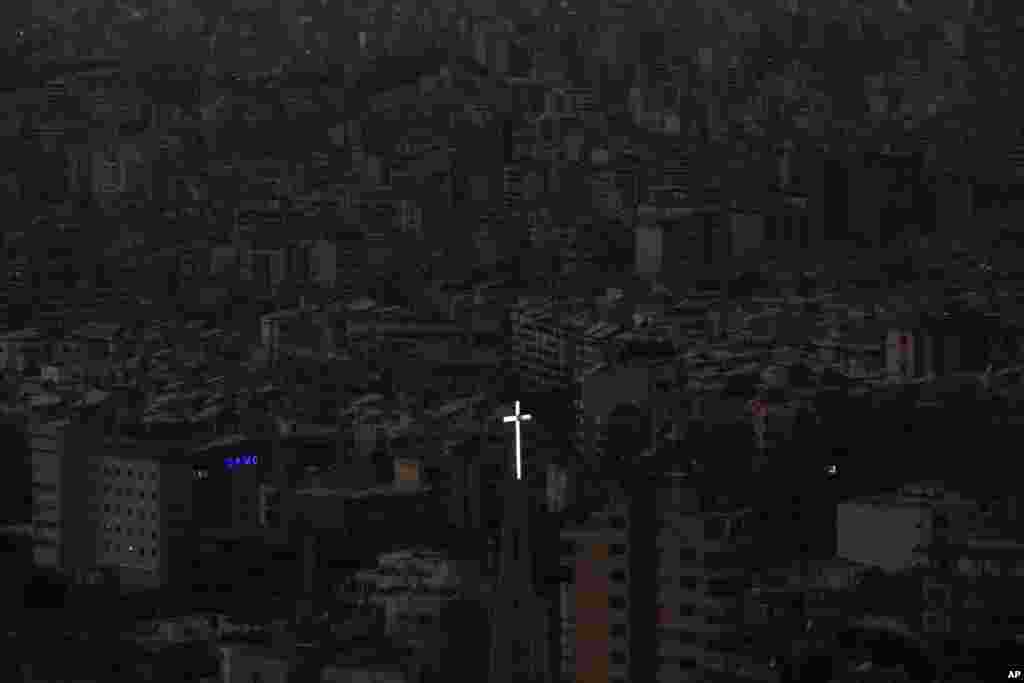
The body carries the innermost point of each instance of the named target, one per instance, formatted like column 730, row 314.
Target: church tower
column 519, row 616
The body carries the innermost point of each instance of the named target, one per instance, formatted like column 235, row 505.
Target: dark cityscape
column 552, row 341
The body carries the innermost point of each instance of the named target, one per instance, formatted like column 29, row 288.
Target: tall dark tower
column 519, row 616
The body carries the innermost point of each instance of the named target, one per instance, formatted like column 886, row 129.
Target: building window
column 618, row 631
column 617, row 602
column 618, row 576
column 687, row 637
column 618, row 522
column 687, row 610
column 688, row 582
column 618, row 549
column 714, row 528
column 687, row 663
column 618, row 658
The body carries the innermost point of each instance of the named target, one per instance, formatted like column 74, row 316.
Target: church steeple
column 519, row 617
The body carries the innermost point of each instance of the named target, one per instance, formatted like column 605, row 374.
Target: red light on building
column 758, row 408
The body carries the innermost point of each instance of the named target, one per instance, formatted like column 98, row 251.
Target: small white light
column 832, row 469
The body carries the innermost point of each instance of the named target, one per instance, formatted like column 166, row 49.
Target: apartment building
column 19, row 349
column 959, row 341
column 412, row 586
column 704, row 571
column 265, row 264
column 967, row 588
column 789, row 608
column 88, row 353
column 671, row 233
column 594, row 602
column 277, row 659
column 646, row 387
column 142, row 504
column 228, row 474
column 551, row 345
column 62, row 533
column 891, row 531
column 101, row 505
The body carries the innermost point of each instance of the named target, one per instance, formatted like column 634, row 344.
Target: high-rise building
column 145, row 509
column 703, row 571
column 891, row 531
column 608, row 601
column 101, row 505
column 594, row 602
column 552, row 344
column 835, row 200
column 63, row 534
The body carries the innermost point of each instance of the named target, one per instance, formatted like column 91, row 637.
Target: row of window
column 127, row 492
column 115, row 471
column 726, row 587
column 130, row 512
column 975, row 567
column 128, row 531
column 143, row 551
column 685, row 663
column 572, row 547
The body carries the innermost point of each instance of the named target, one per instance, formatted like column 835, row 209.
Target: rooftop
column 910, row 501
column 105, row 331
column 27, row 334
column 361, row 494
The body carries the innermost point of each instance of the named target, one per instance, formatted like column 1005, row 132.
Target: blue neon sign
column 239, row 460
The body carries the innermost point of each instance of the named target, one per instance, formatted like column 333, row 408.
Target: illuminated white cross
column 518, row 419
